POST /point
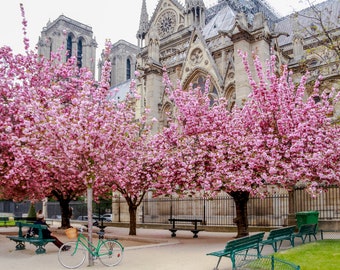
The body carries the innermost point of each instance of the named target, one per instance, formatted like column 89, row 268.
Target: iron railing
column 269, row 211
column 219, row 211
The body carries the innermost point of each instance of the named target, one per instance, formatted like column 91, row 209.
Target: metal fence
column 79, row 208
column 267, row 263
column 269, row 211
column 327, row 202
column 219, row 211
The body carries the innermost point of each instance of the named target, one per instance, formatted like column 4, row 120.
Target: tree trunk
column 65, row 209
column 66, row 213
column 241, row 199
column 133, row 219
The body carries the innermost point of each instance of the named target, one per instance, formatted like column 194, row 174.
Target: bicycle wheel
column 110, row 252
column 72, row 257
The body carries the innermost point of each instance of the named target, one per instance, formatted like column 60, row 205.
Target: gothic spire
column 143, row 22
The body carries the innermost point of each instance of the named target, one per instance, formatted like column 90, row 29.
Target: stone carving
column 166, row 23
column 196, row 56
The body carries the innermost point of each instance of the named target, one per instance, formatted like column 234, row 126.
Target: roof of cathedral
column 250, row 8
column 63, row 18
column 123, row 42
column 217, row 16
column 305, row 22
column 120, row 91
column 222, row 21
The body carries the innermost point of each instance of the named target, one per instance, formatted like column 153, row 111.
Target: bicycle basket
column 71, row 233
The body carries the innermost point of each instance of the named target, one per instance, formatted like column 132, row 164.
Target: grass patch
column 319, row 255
column 8, row 223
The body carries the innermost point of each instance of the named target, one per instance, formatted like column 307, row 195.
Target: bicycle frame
column 91, row 248
column 72, row 254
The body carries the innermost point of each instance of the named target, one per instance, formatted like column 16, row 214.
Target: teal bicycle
column 73, row 254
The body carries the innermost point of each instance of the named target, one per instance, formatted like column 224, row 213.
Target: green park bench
column 279, row 235
column 239, row 246
column 307, row 230
column 36, row 239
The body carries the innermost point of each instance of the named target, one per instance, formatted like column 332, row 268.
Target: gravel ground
column 151, row 249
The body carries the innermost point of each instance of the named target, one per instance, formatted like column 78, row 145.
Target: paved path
column 161, row 253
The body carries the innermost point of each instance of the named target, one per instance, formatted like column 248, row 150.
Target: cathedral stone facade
column 72, row 38
column 122, row 57
column 194, row 42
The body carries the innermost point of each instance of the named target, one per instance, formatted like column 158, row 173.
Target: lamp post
column 89, row 220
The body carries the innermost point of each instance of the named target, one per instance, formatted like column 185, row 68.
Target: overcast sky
column 113, row 19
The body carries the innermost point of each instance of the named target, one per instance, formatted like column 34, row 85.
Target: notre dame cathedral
column 193, row 42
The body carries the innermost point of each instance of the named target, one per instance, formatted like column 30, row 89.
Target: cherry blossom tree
column 278, row 137
column 39, row 97
column 63, row 133
column 18, row 167
column 134, row 166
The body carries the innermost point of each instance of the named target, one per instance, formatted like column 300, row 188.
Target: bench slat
column 243, row 244
column 279, row 235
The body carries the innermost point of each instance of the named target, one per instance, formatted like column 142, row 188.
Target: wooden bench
column 194, row 222
column 239, row 246
column 307, row 230
column 279, row 235
column 36, row 239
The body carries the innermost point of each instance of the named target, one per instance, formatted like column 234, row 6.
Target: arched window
column 69, row 47
column 166, row 115
column 128, row 69
column 230, row 95
column 114, row 71
column 50, row 47
column 199, row 82
column 79, row 53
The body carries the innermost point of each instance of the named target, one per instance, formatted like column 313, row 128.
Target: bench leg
column 310, row 237
column 233, row 261
column 40, row 250
column 304, row 238
column 275, row 246
column 20, row 246
column 173, row 232
column 218, row 262
column 195, row 232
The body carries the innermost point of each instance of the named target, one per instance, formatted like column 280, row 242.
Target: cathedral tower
column 76, row 39
column 195, row 10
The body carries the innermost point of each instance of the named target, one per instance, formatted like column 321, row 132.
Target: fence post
column 204, row 222
column 291, row 207
column 170, row 206
column 143, row 213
